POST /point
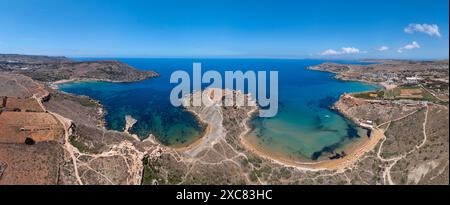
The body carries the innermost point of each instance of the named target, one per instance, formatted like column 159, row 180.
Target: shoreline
column 194, row 144
column 337, row 77
column 353, row 152
column 55, row 84
column 353, row 155
column 153, row 138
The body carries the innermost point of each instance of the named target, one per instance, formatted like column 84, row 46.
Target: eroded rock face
column 62, row 131
column 51, row 69
column 227, row 161
column 87, row 153
column 79, row 109
column 214, row 159
column 379, row 112
column 39, row 146
column 221, row 158
column 112, row 71
column 211, row 113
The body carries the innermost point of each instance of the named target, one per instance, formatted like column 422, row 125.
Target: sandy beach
column 353, row 152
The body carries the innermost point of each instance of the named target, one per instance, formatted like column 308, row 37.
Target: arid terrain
column 60, row 69
column 50, row 137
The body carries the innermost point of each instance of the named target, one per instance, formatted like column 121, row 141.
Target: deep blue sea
column 305, row 127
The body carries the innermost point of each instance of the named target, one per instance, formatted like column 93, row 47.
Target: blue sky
column 413, row 29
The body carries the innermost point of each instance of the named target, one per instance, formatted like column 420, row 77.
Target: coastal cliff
column 60, row 69
column 60, row 133
column 408, row 146
column 390, row 73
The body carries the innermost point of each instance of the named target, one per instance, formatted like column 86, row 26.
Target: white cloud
column 383, row 48
column 431, row 30
column 344, row 50
column 330, row 52
column 412, row 45
column 350, row 50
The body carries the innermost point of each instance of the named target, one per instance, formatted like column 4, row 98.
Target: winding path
column 67, row 146
column 387, row 171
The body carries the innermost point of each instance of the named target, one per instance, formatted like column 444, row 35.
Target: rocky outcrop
column 111, row 71
column 32, row 59
column 64, row 149
column 51, row 69
column 90, row 154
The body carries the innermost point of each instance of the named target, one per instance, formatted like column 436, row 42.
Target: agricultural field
column 17, row 127
column 399, row 93
column 23, row 105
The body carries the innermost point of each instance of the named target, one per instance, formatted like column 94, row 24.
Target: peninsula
column 51, row 137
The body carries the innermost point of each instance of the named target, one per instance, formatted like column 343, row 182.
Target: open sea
column 305, row 127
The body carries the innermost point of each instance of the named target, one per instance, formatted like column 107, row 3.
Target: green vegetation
column 405, row 92
column 429, row 97
column 79, row 145
column 396, row 93
column 256, row 161
column 85, row 101
column 370, row 95
column 244, row 163
column 253, row 176
column 264, row 170
column 391, row 94
column 149, row 173
column 175, row 177
column 153, row 173
column 285, row 173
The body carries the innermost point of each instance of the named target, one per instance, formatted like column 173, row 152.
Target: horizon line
column 225, row 57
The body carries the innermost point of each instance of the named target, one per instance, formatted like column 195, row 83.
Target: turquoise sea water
column 305, row 127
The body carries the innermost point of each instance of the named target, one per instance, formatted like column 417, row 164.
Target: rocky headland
column 69, row 145
column 63, row 70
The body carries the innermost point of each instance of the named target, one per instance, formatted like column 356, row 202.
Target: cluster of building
column 391, row 78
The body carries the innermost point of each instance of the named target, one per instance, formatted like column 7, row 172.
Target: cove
column 305, row 127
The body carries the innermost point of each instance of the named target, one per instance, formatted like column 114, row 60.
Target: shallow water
column 305, row 127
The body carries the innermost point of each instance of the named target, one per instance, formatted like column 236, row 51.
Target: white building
column 414, row 79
